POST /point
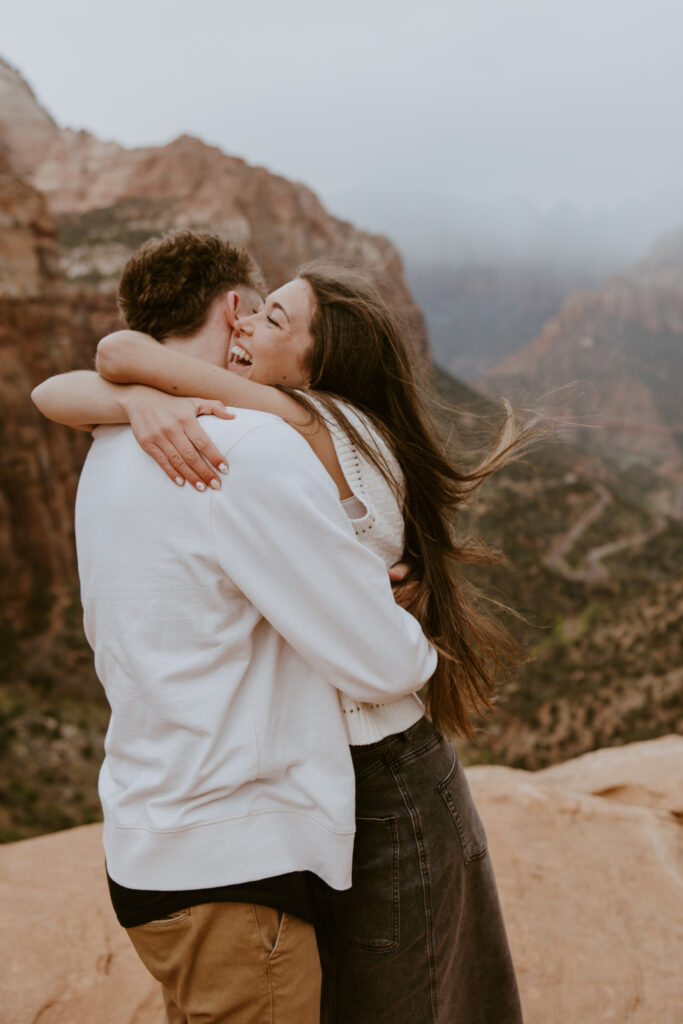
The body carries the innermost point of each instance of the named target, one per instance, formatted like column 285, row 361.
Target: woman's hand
column 166, row 428
column 404, row 592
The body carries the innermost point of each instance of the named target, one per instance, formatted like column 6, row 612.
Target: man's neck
column 211, row 343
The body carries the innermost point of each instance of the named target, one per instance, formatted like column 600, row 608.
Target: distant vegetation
column 604, row 637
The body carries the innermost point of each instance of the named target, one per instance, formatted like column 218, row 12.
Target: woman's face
column 270, row 346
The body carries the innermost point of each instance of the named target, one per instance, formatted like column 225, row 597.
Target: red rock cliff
column 614, row 358
column 108, row 199
column 41, row 332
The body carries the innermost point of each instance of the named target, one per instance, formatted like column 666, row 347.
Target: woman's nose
column 244, row 325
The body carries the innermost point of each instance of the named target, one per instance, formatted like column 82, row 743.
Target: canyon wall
column 610, row 363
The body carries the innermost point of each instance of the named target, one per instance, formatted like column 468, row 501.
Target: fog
column 479, row 131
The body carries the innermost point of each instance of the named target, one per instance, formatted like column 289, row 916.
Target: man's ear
column 231, row 305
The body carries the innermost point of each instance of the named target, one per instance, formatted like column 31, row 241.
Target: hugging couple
column 288, row 834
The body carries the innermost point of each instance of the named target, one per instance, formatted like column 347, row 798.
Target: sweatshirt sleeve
column 283, row 538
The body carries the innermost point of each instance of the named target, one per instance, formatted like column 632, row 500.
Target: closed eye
column 273, row 322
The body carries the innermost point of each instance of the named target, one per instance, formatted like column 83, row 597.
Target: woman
column 420, row 936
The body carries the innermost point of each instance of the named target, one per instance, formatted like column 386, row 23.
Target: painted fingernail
column 179, row 480
column 200, row 486
column 222, row 468
column 216, row 484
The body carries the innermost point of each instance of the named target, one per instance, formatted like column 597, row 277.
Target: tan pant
column 233, row 962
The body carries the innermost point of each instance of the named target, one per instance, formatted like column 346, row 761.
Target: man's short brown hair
column 168, row 286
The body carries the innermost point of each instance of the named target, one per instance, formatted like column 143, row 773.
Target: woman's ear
column 232, row 302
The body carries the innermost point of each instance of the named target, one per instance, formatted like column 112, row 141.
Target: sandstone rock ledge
column 589, row 858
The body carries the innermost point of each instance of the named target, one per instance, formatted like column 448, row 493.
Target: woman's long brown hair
column 360, row 354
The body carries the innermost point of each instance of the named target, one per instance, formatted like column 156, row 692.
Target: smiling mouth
column 240, row 356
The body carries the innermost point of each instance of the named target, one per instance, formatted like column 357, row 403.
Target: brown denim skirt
column 419, row 938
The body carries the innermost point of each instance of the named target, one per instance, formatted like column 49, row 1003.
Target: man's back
column 218, row 631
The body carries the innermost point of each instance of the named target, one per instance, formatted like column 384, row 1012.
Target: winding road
column 594, row 571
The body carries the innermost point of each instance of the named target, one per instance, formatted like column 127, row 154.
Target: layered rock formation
column 26, row 129
column 589, row 863
column 49, row 754
column 611, row 363
column 41, row 332
column 29, row 258
column 108, row 199
column 37, row 464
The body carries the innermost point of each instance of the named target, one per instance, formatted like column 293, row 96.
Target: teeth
column 240, row 355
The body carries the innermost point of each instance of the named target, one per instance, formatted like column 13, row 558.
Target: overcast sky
column 409, row 117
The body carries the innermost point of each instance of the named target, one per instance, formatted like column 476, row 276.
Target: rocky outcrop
column 41, row 333
column 589, row 866
column 65, row 958
column 29, row 258
column 26, row 129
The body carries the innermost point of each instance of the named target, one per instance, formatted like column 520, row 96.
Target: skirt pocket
column 367, row 915
column 455, row 793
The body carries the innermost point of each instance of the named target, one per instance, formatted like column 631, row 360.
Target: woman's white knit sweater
column 375, row 511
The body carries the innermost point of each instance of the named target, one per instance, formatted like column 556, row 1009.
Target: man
column 222, row 626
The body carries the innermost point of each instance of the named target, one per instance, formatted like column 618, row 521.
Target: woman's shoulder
column 336, row 411
column 380, row 523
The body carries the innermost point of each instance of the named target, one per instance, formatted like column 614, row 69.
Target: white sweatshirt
column 223, row 623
